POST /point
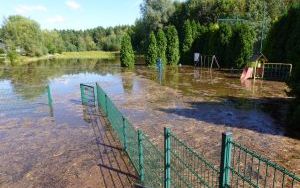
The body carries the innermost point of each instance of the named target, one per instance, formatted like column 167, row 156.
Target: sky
column 73, row 14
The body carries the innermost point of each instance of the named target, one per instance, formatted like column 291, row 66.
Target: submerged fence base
column 179, row 165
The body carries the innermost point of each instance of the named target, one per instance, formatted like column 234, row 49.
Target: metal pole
column 141, row 156
column 263, row 28
column 83, row 101
column 225, row 160
column 167, row 151
column 106, row 110
column 49, row 96
column 124, row 134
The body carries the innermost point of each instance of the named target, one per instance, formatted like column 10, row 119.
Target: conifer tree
column 172, row 46
column 126, row 54
column 151, row 56
column 161, row 46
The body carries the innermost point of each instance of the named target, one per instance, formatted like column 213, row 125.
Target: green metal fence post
column 167, row 162
column 124, row 134
column 83, row 101
column 49, row 96
column 106, row 110
column 141, row 156
column 225, row 160
column 97, row 95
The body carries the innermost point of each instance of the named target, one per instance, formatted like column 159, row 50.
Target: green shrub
column 187, row 42
column 2, row 51
column 161, row 45
column 173, row 46
column 12, row 55
column 126, row 53
column 151, row 55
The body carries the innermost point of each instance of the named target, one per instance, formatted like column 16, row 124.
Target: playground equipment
column 261, row 68
column 205, row 61
column 178, row 165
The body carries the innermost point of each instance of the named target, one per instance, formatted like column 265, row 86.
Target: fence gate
column 87, row 95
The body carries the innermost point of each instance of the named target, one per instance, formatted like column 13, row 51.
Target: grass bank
column 70, row 55
column 87, row 55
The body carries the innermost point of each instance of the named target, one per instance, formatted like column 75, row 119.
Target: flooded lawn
column 56, row 146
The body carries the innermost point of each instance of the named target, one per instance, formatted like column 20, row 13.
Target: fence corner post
column 124, row 134
column 97, row 94
column 167, row 154
column 141, row 156
column 106, row 108
column 82, row 94
column 225, row 163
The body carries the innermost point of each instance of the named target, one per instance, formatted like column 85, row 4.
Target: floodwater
column 56, row 145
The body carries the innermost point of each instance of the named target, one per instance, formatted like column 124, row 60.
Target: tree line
column 25, row 36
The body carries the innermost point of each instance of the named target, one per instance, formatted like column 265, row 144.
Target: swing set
column 205, row 61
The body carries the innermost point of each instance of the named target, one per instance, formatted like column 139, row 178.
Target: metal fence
column 179, row 165
column 13, row 103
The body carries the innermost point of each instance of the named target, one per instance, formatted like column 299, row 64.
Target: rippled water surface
column 43, row 143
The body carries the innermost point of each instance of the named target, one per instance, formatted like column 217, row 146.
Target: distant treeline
column 26, row 37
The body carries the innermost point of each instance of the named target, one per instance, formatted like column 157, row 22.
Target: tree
column 127, row 54
column 90, row 44
column 242, row 44
column 161, row 46
column 24, row 34
column 187, row 41
column 156, row 13
column 81, row 46
column 151, row 55
column 53, row 42
column 173, row 45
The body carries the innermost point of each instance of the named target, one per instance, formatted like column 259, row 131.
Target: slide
column 247, row 73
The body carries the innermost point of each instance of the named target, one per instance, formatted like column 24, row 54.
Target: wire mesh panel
column 190, row 169
column 153, row 164
column 249, row 169
column 126, row 134
column 101, row 101
column 130, row 143
column 277, row 71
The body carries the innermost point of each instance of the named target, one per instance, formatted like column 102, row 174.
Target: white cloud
column 56, row 19
column 73, row 4
column 25, row 9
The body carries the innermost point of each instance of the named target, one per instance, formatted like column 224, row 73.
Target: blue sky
column 73, row 14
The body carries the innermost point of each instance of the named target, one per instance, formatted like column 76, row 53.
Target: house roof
column 256, row 57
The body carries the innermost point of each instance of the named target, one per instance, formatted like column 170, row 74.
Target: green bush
column 151, row 55
column 173, row 53
column 161, row 45
column 126, row 53
column 12, row 55
column 2, row 51
column 187, row 42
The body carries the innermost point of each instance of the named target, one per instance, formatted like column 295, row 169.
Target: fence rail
column 179, row 165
